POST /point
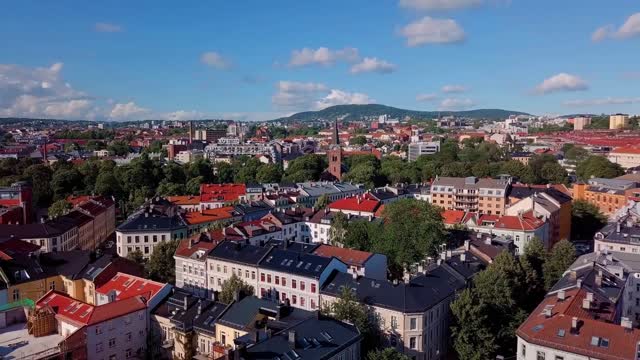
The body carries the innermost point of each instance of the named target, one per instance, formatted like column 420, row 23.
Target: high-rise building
column 618, row 121
column 580, row 122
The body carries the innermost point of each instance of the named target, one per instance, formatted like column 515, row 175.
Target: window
column 16, row 294
column 284, row 281
column 99, row 347
column 269, row 278
column 52, row 286
column 277, row 280
column 128, row 239
column 302, row 285
column 313, row 304
column 413, row 324
column 293, row 283
column 558, row 357
column 412, row 342
column 253, row 275
column 128, row 336
column 302, row 301
column 394, row 322
column 112, row 342
column 294, row 299
column 540, row 355
column 224, row 269
column 283, row 296
column 155, row 238
column 523, row 351
column 246, row 274
column 98, row 330
column 146, row 250
column 137, row 239
column 146, row 238
column 128, row 353
column 262, row 277
column 313, row 288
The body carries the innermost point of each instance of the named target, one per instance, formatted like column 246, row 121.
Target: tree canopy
column 233, row 285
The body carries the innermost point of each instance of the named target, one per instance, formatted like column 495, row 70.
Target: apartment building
column 486, row 196
column 309, row 192
column 621, row 235
column 115, row 330
column 609, row 195
column 294, row 277
column 580, row 318
column 626, row 156
column 359, row 205
column 103, row 212
column 219, row 195
column 201, row 220
column 191, row 264
column 618, row 121
column 413, row 316
column 124, row 286
column 234, row 257
column 16, row 204
column 319, row 225
column 418, row 149
column 60, row 234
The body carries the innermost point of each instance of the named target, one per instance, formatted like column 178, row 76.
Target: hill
column 355, row 112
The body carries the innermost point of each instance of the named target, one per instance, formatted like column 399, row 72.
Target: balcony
column 167, row 343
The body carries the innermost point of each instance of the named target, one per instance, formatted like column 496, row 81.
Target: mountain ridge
column 354, row 112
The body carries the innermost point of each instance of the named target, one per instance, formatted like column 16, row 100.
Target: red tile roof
column 626, row 150
column 127, row 286
column 77, row 200
column 362, row 203
column 184, row 250
column 184, row 200
column 544, row 331
column 348, row 256
column 221, row 192
column 211, row 215
column 452, row 217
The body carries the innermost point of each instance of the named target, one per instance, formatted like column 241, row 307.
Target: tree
column 387, row 354
column 472, row 336
column 348, row 308
column 306, row 168
column 269, row 173
column 358, row 140
column 136, row 256
column 58, row 208
column 562, row 256
column 599, row 167
column 322, row 202
column 119, row 148
column 233, row 285
column 532, row 260
column 39, row 176
column 363, row 173
column 65, row 181
column 338, row 229
column 161, row 265
column 107, row 185
column 586, row 220
column 193, row 185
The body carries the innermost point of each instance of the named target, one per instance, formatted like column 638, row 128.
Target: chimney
column 406, row 277
column 561, row 295
column 599, row 279
column 199, row 307
column 618, row 227
column 574, row 323
column 579, row 283
column 626, row 323
column 463, row 257
column 292, row 338
column 467, row 245
column 586, row 304
column 547, row 312
column 354, row 274
column 590, row 296
column 443, row 255
column 185, row 303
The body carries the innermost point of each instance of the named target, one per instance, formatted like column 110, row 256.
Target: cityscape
column 167, row 194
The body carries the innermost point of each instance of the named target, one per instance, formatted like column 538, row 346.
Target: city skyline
column 257, row 62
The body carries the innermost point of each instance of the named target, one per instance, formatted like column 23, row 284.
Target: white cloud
column 340, row 97
column 128, row 111
column 602, row 101
column 301, row 96
column 431, row 5
column 452, row 89
column 426, row 97
column 630, row 28
column 453, row 104
column 108, row 28
column 322, row 56
column 373, row 65
column 561, row 82
column 432, row 31
column 213, row 59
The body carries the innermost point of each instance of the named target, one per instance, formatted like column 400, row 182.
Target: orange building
column 607, row 199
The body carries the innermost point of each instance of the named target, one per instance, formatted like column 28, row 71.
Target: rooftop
column 127, row 286
column 16, row 343
column 238, row 252
column 295, row 263
column 346, row 255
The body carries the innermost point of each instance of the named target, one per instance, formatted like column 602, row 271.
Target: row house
column 123, row 286
column 621, row 235
column 187, row 203
column 580, row 318
column 60, row 234
column 234, row 257
column 202, row 220
column 102, row 210
column 359, row 263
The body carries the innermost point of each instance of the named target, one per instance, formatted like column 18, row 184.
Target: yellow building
column 618, row 121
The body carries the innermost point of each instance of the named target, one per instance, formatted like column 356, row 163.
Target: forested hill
column 354, row 112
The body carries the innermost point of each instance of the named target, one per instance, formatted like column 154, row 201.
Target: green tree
column 269, row 173
column 119, row 148
column 586, row 220
column 358, row 140
column 136, row 256
column 338, row 229
column 161, row 265
column 599, row 167
column 65, row 181
column 107, row 185
column 58, row 208
column 561, row 257
column 348, row 308
column 202, row 168
column 322, row 202
column 363, row 173
column 39, row 176
column 386, row 354
column 193, row 185
column 306, row 168
column 233, row 285
column 532, row 261
column 473, row 338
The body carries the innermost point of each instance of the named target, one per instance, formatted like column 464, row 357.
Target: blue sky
column 257, row 60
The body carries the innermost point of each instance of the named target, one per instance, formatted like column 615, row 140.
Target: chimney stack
column 626, row 323
column 547, row 312
column 574, row 323
column 467, row 245
column 561, row 295
column 586, row 304
column 292, row 338
column 463, row 257
column 590, row 296
column 185, row 303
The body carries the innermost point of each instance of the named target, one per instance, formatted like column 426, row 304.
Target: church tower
column 335, row 154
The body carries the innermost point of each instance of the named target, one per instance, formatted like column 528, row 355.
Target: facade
column 359, row 263
column 627, row 156
column 58, row 235
column 618, row 121
column 609, row 195
column 580, row 122
column 422, row 148
column 359, row 205
column 486, row 196
column 309, row 192
column 16, row 202
column 191, row 265
column 231, row 257
column 103, row 212
column 219, row 195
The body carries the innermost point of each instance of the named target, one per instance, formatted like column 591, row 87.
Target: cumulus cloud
column 300, row 96
column 432, row 31
column 630, row 28
column 108, row 27
column 215, row 60
column 451, row 89
column 431, row 5
column 322, row 56
column 561, row 82
column 426, row 97
column 602, row 101
column 128, row 111
column 453, row 104
column 373, row 64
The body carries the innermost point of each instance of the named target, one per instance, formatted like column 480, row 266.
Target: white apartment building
column 144, row 231
column 234, row 257
column 191, row 266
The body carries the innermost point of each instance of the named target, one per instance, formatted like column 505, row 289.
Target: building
column 310, row 192
column 124, row 286
column 232, row 257
column 359, row 263
column 626, row 156
column 413, row 316
column 210, row 135
column 523, row 157
column 621, row 235
column 422, row 148
column 58, row 235
column 359, row 205
column 618, row 121
column 16, row 204
column 580, row 318
column 609, row 195
column 313, row 338
column 581, row 122
column 486, row 196
column 294, row 277
column 219, row 195
column 319, row 225
column 103, row 212
column 191, row 264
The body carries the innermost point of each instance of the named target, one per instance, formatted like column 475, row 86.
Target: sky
column 259, row 60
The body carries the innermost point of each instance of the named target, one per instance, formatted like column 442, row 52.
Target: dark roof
column 238, row 252
column 292, row 246
column 315, row 338
column 186, row 311
column 252, row 207
column 467, row 268
column 77, row 217
column 242, row 314
column 422, row 292
column 294, row 262
column 152, row 222
column 28, row 231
